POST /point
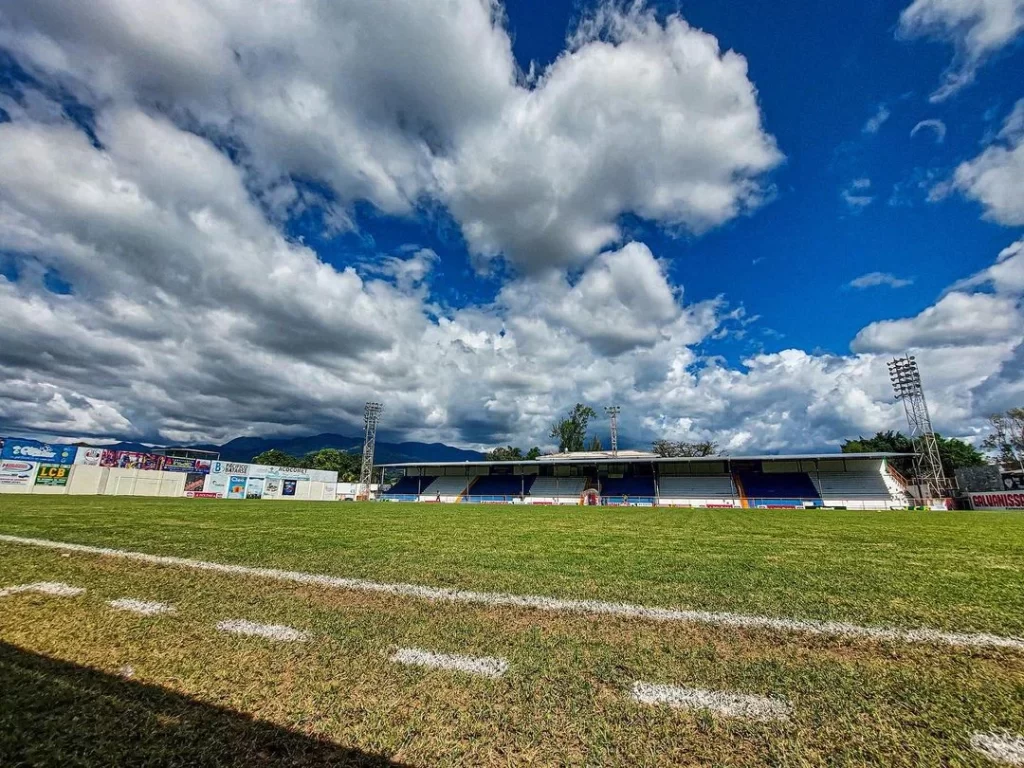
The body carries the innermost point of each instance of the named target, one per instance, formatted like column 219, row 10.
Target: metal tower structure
column 613, row 412
column 371, row 415
column 906, row 383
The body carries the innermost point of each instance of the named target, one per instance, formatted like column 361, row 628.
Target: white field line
column 726, row 703
column 143, row 607
column 486, row 666
column 45, row 588
column 1001, row 747
column 542, row 603
column 271, row 631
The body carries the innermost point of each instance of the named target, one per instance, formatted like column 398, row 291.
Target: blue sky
column 260, row 220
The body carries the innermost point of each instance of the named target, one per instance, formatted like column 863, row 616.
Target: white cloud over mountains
column 191, row 316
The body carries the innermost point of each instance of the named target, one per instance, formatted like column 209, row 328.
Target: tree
column 508, row 453
column 347, row 465
column 595, row 444
column 276, row 458
column 1007, row 438
column 533, row 453
column 953, row 452
column 682, row 449
column 571, row 431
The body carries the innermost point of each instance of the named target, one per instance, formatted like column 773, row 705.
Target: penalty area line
column 44, row 588
column 728, row 703
column 484, row 666
column 554, row 604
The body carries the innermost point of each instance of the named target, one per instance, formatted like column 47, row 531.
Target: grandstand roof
column 631, row 457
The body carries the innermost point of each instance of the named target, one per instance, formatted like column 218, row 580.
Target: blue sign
column 31, row 450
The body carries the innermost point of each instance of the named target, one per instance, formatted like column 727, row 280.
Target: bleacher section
column 867, row 489
column 636, row 488
column 779, row 489
column 409, row 486
column 694, row 490
column 448, row 488
column 558, row 487
column 499, row 487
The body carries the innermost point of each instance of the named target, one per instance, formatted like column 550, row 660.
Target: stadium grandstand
column 848, row 481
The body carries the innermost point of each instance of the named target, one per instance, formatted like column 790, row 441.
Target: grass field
column 195, row 695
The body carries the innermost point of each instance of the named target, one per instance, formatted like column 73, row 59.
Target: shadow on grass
column 54, row 713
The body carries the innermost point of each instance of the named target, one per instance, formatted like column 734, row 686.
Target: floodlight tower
column 371, row 415
column 906, row 383
column 613, row 412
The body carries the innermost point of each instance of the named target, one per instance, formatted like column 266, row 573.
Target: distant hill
column 242, row 449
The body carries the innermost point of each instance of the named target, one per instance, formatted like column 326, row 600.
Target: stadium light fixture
column 371, row 415
column 905, row 377
column 613, row 412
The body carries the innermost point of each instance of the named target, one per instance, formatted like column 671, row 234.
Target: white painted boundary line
column 43, row 587
column 726, row 703
column 143, row 607
column 486, row 666
column 1001, row 747
column 271, row 631
column 541, row 603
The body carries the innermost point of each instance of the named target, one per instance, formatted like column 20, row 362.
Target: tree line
column 347, row 465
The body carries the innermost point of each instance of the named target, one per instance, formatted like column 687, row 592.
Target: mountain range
column 242, row 449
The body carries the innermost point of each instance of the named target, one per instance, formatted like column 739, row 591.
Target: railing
column 847, row 502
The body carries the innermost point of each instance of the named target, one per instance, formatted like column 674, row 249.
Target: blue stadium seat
column 498, row 487
column 779, row 488
column 638, row 489
column 409, row 486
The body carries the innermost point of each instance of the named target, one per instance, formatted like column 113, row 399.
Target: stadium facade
column 852, row 481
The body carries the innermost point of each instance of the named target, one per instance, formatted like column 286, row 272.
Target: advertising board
column 236, row 487
column 16, row 473
column 53, row 474
column 31, row 450
column 88, row 456
column 997, row 500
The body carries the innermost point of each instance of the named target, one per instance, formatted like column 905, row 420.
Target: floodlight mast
column 906, row 384
column 613, row 412
column 371, row 415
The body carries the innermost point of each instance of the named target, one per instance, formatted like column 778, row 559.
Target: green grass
column 201, row 697
column 956, row 571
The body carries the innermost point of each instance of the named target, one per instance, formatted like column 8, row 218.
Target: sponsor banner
column 53, row 474
column 217, row 485
column 272, row 488
column 202, row 495
column 236, row 487
column 177, row 464
column 31, row 450
column 131, row 460
column 90, row 457
column 229, row 468
column 14, row 472
column 288, row 473
column 254, row 488
column 195, row 481
column 288, row 487
column 997, row 500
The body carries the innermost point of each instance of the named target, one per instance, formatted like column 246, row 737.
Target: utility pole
column 906, row 383
column 613, row 415
column 371, row 415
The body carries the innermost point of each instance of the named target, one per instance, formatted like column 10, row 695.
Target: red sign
column 202, row 495
column 997, row 500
